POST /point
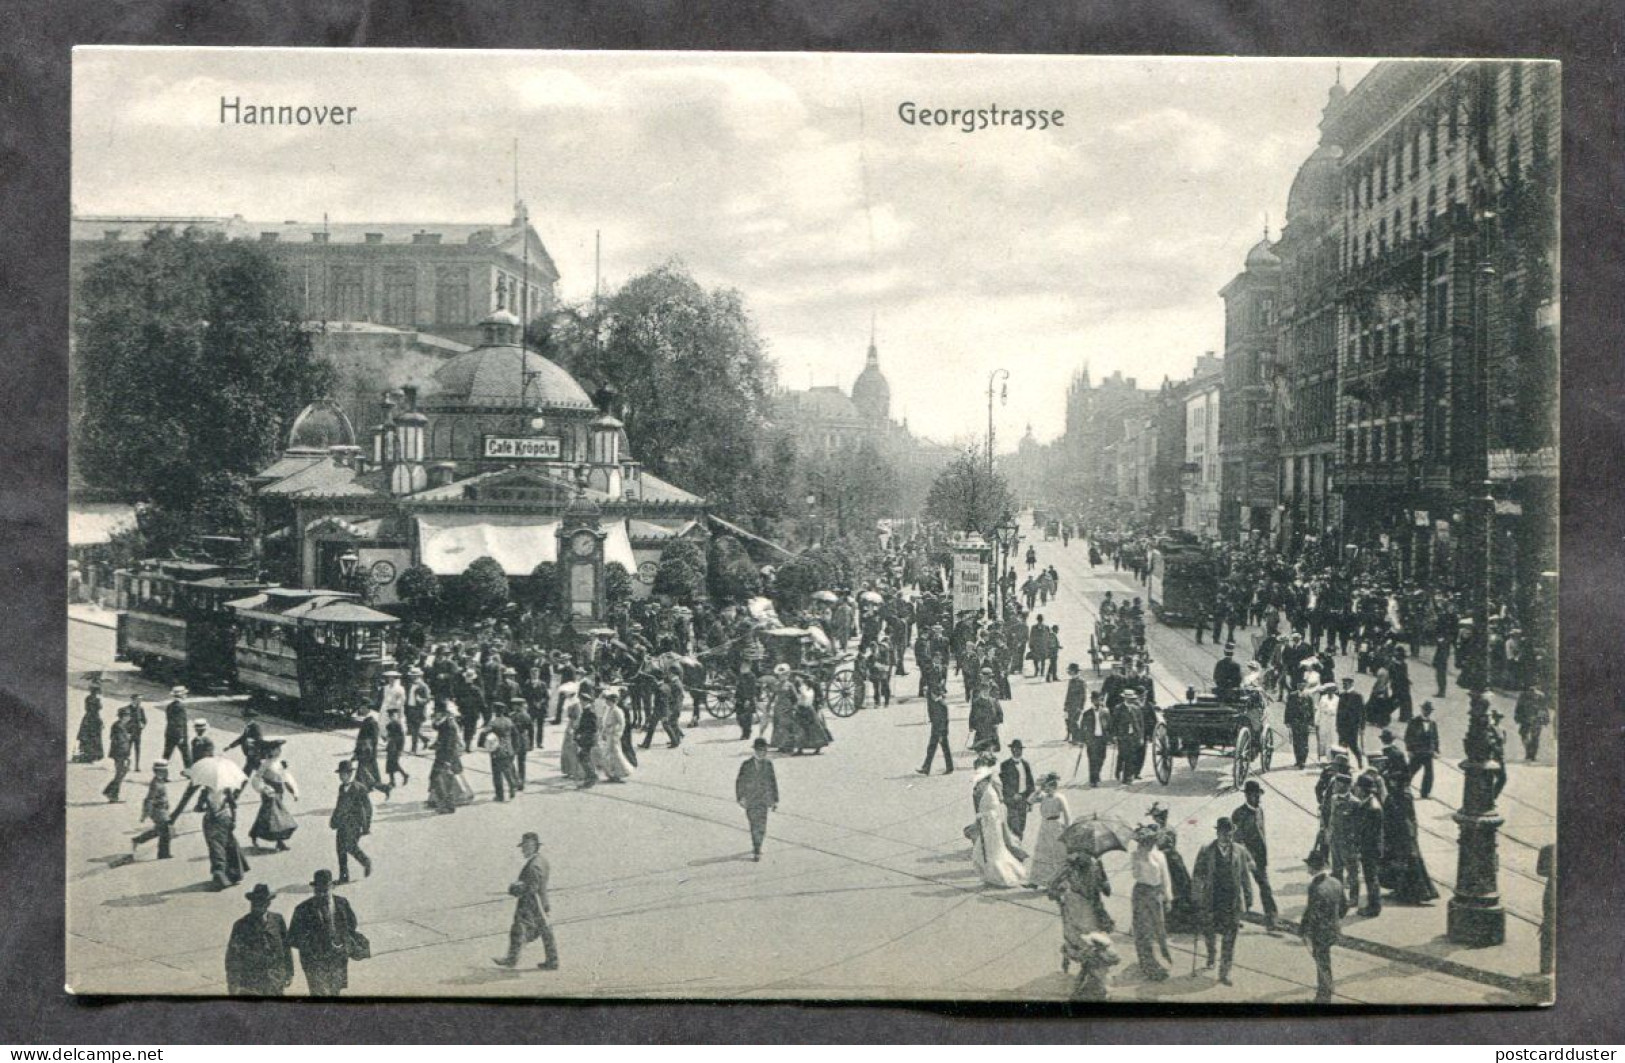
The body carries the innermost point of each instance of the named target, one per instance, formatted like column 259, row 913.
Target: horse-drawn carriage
column 1235, row 727
column 804, row 649
column 1117, row 637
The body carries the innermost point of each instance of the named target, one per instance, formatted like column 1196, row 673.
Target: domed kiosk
column 485, row 464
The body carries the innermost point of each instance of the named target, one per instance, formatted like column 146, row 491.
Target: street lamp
column 348, row 562
column 1004, row 396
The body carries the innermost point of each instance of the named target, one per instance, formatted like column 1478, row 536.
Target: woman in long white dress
column 995, row 852
column 1325, row 720
column 608, row 756
column 1049, row 852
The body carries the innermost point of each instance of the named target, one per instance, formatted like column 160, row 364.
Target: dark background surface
column 35, row 75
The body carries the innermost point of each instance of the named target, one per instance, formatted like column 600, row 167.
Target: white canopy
column 450, row 542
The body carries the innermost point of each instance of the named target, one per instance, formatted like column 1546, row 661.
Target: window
column 1398, row 231
column 1450, row 193
column 451, row 295
column 1452, row 127
column 349, row 293
column 400, row 296
column 1382, row 179
column 1348, row 445
column 1376, row 444
column 1414, row 230
column 1537, row 141
column 1433, row 206
column 1433, row 139
column 1416, row 155
column 1382, row 237
column 1514, row 86
column 1514, row 172
column 1399, row 166
column 1409, row 442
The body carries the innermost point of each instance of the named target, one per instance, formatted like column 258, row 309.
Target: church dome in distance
column 1261, row 257
column 319, row 426
column 871, row 392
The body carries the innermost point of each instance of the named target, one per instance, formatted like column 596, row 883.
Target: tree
column 617, row 584
column 692, row 374
column 966, row 497
column 419, row 590
column 544, row 593
column 481, row 590
column 681, row 575
column 731, row 575
column 190, row 359
column 854, row 492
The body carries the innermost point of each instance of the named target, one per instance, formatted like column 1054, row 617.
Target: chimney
column 425, row 238
column 442, row 473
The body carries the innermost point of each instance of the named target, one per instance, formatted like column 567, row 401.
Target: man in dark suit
column 1248, row 820
column 135, row 724
column 323, row 929
column 1077, row 702
column 258, row 960
column 175, row 727
column 1221, row 889
column 1096, row 728
column 1227, row 673
column 936, row 711
column 1016, row 783
column 1300, row 721
column 757, row 790
column 1322, row 920
column 530, row 915
column 1293, row 655
column 1422, row 744
column 351, row 821
column 1351, row 721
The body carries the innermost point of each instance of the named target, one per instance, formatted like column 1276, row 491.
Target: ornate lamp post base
column 1476, row 918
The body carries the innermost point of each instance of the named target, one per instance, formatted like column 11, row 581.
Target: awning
column 450, row 542
column 94, row 523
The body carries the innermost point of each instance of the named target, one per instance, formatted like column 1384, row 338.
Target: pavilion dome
column 871, row 392
column 499, row 374
column 319, row 426
column 1261, row 257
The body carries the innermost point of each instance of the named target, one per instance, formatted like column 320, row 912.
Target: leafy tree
column 360, row 584
column 681, row 575
column 617, row 584
column 419, row 589
column 190, row 359
column 795, row 581
column 966, row 497
column 854, row 492
column 731, row 575
column 544, row 593
column 481, row 590
column 692, row 373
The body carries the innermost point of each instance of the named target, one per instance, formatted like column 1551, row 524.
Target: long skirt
column 1403, row 869
column 90, row 740
column 444, row 795
column 569, row 756
column 1049, row 854
column 1150, row 930
column 1181, row 916
column 273, row 823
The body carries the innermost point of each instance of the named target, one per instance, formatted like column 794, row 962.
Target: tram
column 212, row 624
column 1183, row 580
column 173, row 618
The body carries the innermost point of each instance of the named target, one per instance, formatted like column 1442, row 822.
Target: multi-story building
column 1201, row 469
column 1247, row 438
column 1167, row 463
column 1094, row 420
column 1447, row 312
column 1306, row 340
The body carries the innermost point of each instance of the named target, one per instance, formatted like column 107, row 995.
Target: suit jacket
column 1238, row 867
column 175, row 718
column 1249, row 824
column 353, row 812
column 1421, row 736
column 1016, row 780
column 936, row 710
column 1328, row 903
column 1350, row 712
column 756, row 784
column 1086, row 724
column 530, row 914
column 319, row 943
column 1226, row 675
column 1077, row 697
column 258, row 961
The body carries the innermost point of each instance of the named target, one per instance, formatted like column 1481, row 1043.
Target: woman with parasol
column 1079, row 891
column 220, row 780
column 273, row 781
column 812, row 731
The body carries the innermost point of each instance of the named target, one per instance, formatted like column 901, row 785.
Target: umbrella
column 216, row 773
column 871, row 596
column 825, row 596
column 1097, row 836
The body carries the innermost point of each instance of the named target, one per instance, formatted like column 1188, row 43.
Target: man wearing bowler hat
column 757, row 790
column 530, row 914
column 1221, row 889
column 323, row 930
column 1248, row 820
column 351, row 821
column 258, row 960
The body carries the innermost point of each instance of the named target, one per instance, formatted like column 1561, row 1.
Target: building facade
column 1090, row 459
column 1202, row 466
column 1248, row 437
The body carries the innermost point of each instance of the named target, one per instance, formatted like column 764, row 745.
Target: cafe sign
column 521, row 448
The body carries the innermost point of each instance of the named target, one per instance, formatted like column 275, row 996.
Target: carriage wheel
column 720, row 704
column 1244, row 754
column 839, row 693
column 1266, row 749
column 1162, row 754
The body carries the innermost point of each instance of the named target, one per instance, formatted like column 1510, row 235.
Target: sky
column 1102, row 241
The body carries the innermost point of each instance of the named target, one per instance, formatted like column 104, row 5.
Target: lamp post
column 1004, row 396
column 1475, row 916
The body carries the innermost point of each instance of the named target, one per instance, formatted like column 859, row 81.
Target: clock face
column 582, row 543
column 648, row 571
column 383, row 573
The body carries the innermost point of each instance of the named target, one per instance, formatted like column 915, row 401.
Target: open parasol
column 825, row 596
column 1097, row 836
column 871, row 596
column 216, row 773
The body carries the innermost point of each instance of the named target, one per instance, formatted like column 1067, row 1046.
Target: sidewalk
column 91, row 613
